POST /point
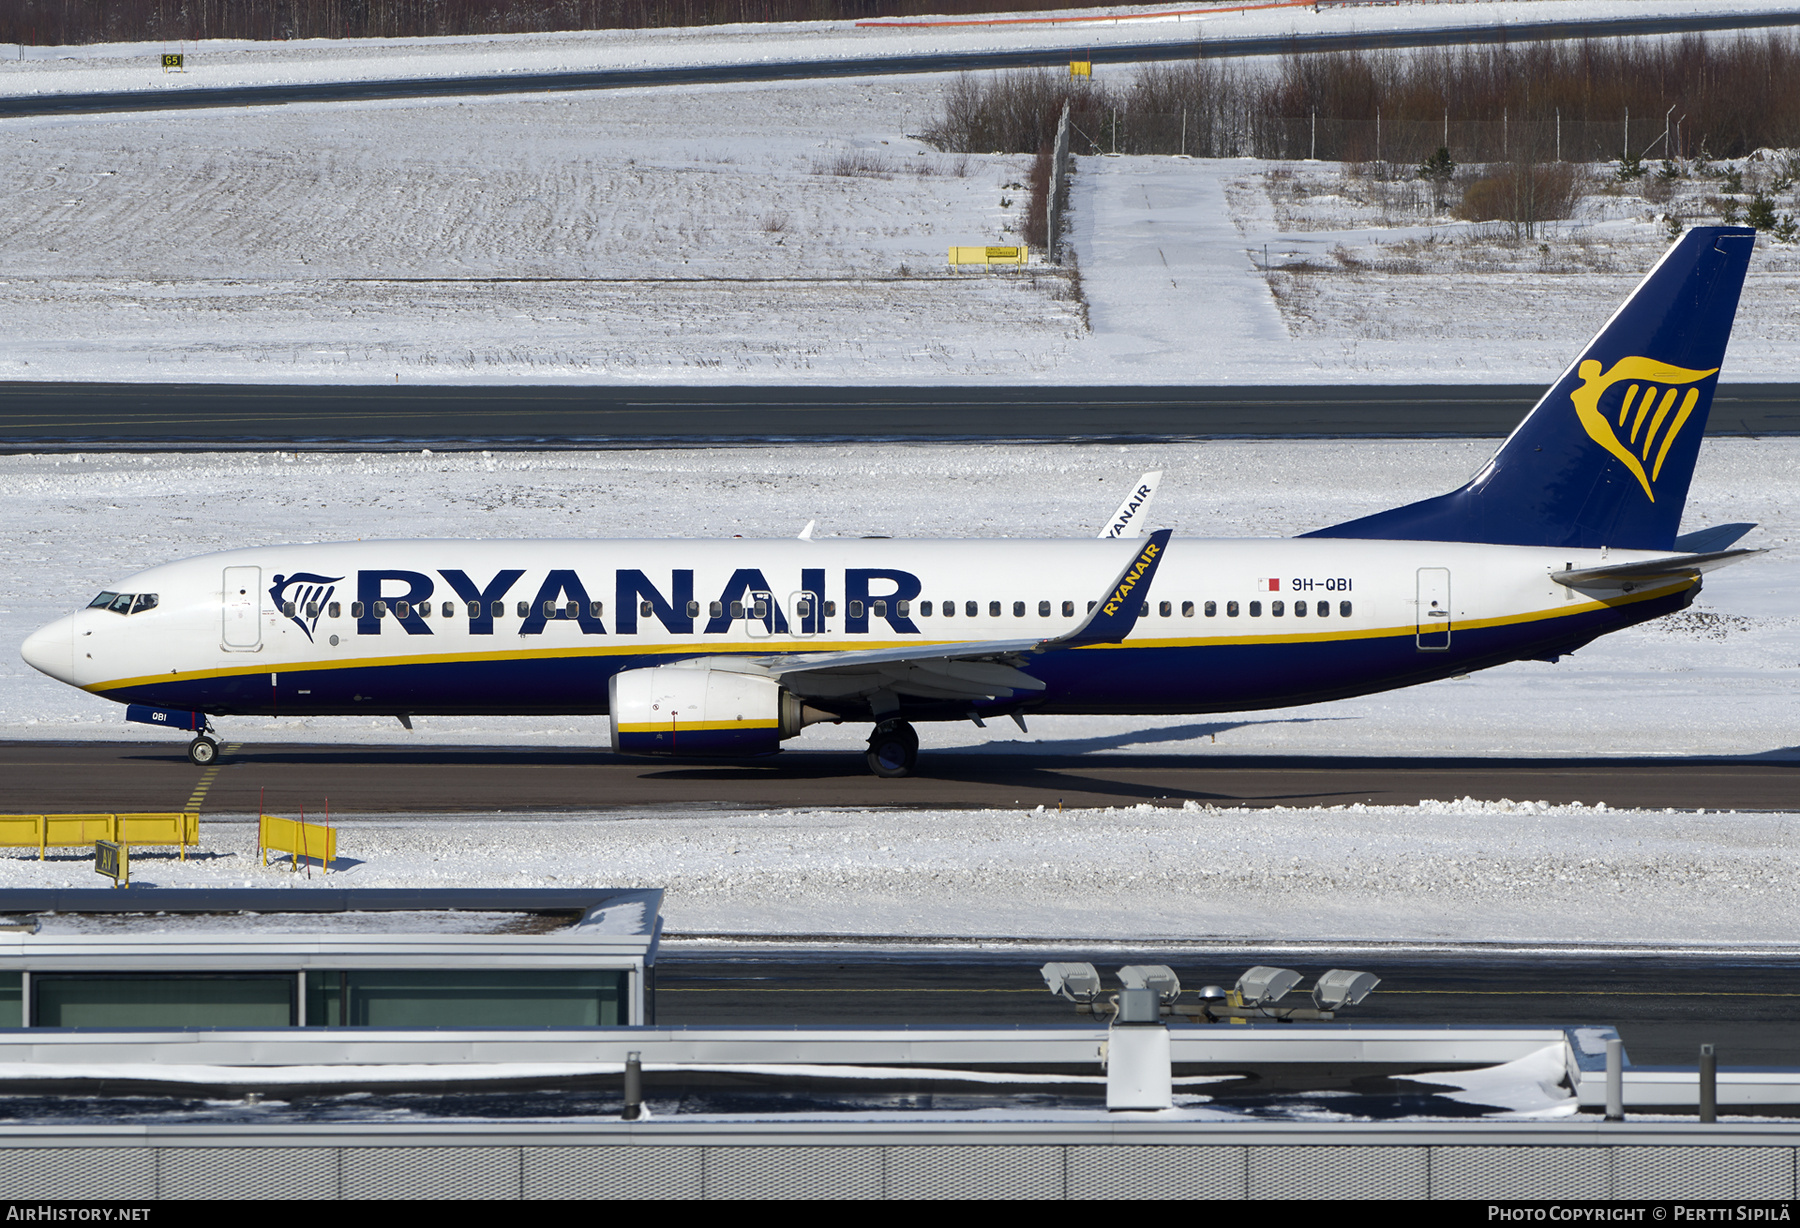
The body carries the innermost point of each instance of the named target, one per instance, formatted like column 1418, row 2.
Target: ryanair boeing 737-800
column 727, row 648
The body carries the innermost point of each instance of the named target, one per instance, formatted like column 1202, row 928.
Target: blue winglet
column 1605, row 458
column 1117, row 612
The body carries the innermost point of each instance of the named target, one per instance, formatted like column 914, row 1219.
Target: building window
column 167, row 1000
column 477, row 997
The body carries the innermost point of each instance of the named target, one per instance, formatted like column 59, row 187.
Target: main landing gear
column 893, row 749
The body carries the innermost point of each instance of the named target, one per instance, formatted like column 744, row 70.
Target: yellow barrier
column 47, row 831
column 297, row 837
column 988, row 255
column 1081, row 68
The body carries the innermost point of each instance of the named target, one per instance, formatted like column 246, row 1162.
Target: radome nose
column 51, row 650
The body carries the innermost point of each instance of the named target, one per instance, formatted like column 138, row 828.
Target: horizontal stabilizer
column 1719, row 537
column 1628, row 576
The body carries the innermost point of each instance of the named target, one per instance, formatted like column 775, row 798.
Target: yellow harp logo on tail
column 1651, row 391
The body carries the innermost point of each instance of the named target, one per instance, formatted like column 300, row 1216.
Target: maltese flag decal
column 1268, row 586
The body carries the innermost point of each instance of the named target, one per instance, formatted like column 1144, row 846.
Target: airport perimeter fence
column 1400, row 144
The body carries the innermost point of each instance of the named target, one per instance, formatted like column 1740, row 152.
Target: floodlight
column 1261, row 985
column 1158, row 977
column 1076, row 982
column 1341, row 987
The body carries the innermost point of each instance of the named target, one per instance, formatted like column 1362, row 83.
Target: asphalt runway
column 83, row 777
column 180, row 95
column 1664, row 1006
column 194, row 417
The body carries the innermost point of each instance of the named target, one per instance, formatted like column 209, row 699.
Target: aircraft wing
column 1628, row 576
column 975, row 669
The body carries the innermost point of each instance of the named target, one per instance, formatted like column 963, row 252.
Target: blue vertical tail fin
column 1605, row 458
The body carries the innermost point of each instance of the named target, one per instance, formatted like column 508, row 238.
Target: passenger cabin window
column 402, row 609
column 335, row 609
column 1187, row 609
column 645, row 609
column 1231, row 610
column 1299, row 609
column 856, row 609
column 1324, row 609
column 1091, row 606
column 803, row 608
column 924, row 609
column 903, row 608
column 312, row 609
column 356, row 609
column 1277, row 608
column 693, row 609
column 550, row 609
column 381, row 609
column 474, row 610
column 572, row 610
column 524, row 609
column 716, row 610
column 949, row 609
column 1018, row 609
column 424, row 609
column 1068, row 609
column 1212, row 609
column 972, row 609
column 877, row 608
column 1343, row 609
column 287, row 609
column 449, row 610
column 1043, row 609
column 498, row 610
column 993, row 609
column 1164, row 609
column 1256, row 609
column 596, row 609
column 737, row 609
column 1144, row 610
column 831, row 609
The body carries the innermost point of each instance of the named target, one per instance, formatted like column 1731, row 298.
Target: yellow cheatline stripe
column 782, row 647
column 693, row 726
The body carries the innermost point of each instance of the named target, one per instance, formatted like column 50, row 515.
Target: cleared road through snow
column 217, row 417
column 784, row 70
column 65, row 777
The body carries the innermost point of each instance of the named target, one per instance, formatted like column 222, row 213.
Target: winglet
column 1112, row 619
column 1128, row 520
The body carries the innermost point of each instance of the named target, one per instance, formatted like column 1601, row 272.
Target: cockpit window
column 145, row 601
column 124, row 603
column 121, row 604
column 102, row 601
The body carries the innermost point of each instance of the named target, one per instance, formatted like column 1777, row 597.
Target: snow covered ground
column 793, row 232
column 1441, row 872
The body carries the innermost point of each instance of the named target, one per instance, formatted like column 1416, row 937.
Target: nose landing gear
column 202, row 751
column 893, row 749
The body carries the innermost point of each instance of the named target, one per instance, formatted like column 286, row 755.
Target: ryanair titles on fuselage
column 383, row 595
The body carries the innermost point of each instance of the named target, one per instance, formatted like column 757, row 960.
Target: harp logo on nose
column 1639, row 424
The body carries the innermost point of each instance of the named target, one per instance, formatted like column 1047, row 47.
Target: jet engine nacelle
column 689, row 710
